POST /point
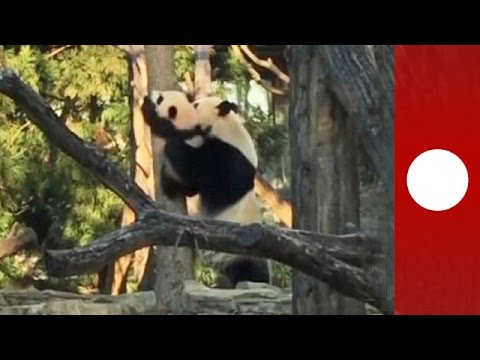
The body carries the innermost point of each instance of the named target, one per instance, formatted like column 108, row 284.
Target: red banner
column 437, row 243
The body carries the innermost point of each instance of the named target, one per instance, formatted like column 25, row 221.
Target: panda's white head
column 226, row 124
column 176, row 106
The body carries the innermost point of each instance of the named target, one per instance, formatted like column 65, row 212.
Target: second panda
column 209, row 152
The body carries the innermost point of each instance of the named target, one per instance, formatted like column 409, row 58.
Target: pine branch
column 92, row 158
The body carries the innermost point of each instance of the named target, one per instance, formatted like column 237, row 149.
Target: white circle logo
column 437, row 180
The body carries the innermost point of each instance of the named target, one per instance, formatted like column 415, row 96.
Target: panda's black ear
column 190, row 97
column 225, row 107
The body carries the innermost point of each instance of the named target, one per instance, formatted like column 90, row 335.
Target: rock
column 34, row 302
column 246, row 299
column 3, row 302
column 201, row 299
column 370, row 310
column 20, row 309
column 252, row 285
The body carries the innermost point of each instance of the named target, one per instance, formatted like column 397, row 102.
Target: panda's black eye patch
column 172, row 112
column 159, row 99
column 195, row 105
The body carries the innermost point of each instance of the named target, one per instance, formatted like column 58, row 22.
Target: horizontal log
column 330, row 258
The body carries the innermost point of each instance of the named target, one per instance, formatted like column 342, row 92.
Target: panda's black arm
column 187, row 163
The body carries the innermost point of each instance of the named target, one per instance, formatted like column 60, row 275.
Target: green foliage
column 282, row 275
column 184, row 61
column 8, row 270
column 40, row 186
column 225, row 66
column 271, row 139
column 205, row 274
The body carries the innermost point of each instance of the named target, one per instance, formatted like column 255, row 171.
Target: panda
column 209, row 152
column 171, row 115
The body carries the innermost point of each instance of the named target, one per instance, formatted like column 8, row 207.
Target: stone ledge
column 48, row 302
column 245, row 299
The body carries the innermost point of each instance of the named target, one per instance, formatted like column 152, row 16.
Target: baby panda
column 209, row 152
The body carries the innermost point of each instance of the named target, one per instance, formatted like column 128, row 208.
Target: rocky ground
column 246, row 299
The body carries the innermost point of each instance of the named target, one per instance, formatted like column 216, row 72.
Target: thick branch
column 282, row 208
column 344, row 261
column 92, row 158
column 19, row 239
column 57, row 51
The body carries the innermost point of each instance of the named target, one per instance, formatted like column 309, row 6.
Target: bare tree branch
column 57, row 51
column 92, row 158
column 267, row 64
column 254, row 73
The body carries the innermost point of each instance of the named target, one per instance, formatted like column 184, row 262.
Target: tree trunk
column 115, row 279
column 362, row 78
column 174, row 265
column 384, row 56
column 324, row 173
column 203, row 76
column 203, row 88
